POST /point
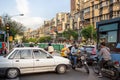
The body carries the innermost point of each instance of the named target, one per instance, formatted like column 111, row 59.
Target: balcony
column 87, row 15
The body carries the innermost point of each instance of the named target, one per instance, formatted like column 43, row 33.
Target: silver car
column 31, row 60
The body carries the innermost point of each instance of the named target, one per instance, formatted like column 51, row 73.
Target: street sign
column 10, row 38
column 2, row 32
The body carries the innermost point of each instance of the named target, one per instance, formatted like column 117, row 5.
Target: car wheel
column 61, row 69
column 12, row 73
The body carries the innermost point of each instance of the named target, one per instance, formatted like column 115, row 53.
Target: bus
column 108, row 31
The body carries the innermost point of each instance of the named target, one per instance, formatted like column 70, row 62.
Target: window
column 25, row 54
column 39, row 54
column 112, row 36
column 86, row 10
column 17, row 56
column 36, row 54
column 13, row 54
column 95, row 19
column 96, row 6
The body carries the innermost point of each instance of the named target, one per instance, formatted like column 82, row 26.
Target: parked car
column 31, row 60
column 90, row 51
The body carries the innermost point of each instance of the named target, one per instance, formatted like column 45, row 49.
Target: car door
column 23, row 60
column 43, row 61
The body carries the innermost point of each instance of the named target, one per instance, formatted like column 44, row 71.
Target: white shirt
column 50, row 49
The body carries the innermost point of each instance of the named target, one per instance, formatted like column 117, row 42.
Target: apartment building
column 47, row 26
column 27, row 33
column 62, row 21
column 41, row 31
column 92, row 11
column 53, row 25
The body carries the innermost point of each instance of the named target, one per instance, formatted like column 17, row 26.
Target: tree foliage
column 89, row 32
column 67, row 34
column 44, row 39
column 32, row 40
column 15, row 27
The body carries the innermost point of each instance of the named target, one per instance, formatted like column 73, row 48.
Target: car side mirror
column 49, row 56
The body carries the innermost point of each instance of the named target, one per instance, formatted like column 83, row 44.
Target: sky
column 35, row 11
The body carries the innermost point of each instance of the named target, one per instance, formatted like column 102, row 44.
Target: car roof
column 27, row 48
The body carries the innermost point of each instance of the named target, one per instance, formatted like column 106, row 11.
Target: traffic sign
column 2, row 32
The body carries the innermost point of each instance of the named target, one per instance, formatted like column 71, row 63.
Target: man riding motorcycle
column 105, row 55
column 73, row 53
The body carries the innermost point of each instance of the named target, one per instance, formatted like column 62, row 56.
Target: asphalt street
column 78, row 74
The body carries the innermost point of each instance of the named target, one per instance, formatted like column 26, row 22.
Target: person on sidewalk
column 50, row 48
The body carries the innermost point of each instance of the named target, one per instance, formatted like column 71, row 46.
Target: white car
column 31, row 60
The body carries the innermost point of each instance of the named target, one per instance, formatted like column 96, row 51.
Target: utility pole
column 7, row 30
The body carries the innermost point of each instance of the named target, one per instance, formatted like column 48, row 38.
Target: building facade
column 92, row 11
column 62, row 19
column 47, row 26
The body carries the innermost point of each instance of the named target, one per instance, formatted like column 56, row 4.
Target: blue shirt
column 73, row 50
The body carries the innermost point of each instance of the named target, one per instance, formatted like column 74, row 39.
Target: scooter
column 110, row 69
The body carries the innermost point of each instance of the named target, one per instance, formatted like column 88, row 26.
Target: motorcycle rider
column 73, row 53
column 64, row 51
column 105, row 55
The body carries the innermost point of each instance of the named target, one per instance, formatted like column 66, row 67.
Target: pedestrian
column 105, row 55
column 31, row 44
column 36, row 44
column 4, row 50
column 65, row 51
column 50, row 48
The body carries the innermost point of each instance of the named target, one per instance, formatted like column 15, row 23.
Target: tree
column 32, row 40
column 24, row 39
column 15, row 27
column 67, row 34
column 89, row 33
column 44, row 39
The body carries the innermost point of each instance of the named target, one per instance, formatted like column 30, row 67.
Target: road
column 70, row 75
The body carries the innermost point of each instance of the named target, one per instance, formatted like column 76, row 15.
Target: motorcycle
column 81, row 62
column 110, row 69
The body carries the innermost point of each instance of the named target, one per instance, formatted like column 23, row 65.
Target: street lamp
column 8, row 28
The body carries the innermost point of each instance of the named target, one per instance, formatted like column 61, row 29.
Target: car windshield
column 8, row 53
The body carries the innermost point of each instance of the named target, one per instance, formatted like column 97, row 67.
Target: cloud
column 30, row 22
column 26, row 20
column 23, row 6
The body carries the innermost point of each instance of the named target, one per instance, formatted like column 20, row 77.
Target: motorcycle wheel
column 96, row 68
column 86, row 68
column 116, row 74
column 73, row 67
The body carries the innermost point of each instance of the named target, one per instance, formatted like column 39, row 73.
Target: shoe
column 100, row 75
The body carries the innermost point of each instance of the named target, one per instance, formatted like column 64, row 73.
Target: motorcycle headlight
column 82, row 57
